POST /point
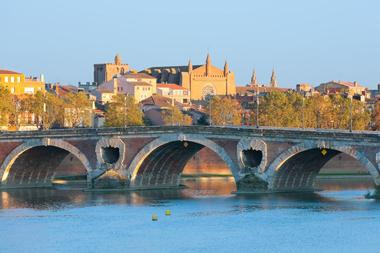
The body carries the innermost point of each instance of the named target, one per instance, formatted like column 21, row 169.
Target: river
column 205, row 217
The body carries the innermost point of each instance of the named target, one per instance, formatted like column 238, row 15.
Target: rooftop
column 138, row 75
column 3, row 71
column 170, row 86
column 159, row 101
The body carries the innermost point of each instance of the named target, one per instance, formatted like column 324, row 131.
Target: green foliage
column 123, row 111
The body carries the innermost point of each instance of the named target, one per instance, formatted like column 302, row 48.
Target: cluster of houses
column 160, row 88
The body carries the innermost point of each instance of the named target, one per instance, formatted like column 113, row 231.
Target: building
column 154, row 105
column 352, row 88
column 18, row 84
column 119, row 85
column 141, row 77
column 174, row 91
column 106, row 71
column 200, row 80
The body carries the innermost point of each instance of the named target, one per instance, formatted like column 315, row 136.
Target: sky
column 305, row 41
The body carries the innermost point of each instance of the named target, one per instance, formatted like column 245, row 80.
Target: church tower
column 226, row 68
column 117, row 59
column 190, row 66
column 253, row 78
column 190, row 70
column 273, row 79
column 208, row 65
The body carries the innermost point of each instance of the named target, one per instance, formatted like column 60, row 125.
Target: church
column 200, row 80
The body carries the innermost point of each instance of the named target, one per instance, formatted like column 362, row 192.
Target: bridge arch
column 29, row 145
column 297, row 167
column 162, row 161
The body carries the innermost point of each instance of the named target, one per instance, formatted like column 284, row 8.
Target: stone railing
column 228, row 131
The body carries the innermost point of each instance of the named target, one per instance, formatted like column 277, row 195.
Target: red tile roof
column 170, row 86
column 3, row 71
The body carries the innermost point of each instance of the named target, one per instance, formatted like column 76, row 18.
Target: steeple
column 208, row 64
column 208, row 59
column 273, row 79
column 226, row 68
column 253, row 78
column 117, row 59
column 190, row 66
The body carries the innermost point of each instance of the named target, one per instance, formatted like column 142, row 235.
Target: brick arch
column 291, row 153
column 169, row 156
column 16, row 152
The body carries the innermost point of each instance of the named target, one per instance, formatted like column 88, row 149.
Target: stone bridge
column 261, row 160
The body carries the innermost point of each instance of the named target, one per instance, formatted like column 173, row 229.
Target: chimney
column 356, row 84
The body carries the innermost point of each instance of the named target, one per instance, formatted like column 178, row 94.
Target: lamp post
column 257, row 107
column 210, row 102
column 351, row 114
column 125, row 111
column 303, row 112
column 172, row 107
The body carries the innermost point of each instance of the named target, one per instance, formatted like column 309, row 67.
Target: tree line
column 278, row 109
column 44, row 110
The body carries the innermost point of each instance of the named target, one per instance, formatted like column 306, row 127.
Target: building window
column 18, row 79
column 6, row 79
column 29, row 90
column 12, row 79
column 12, row 90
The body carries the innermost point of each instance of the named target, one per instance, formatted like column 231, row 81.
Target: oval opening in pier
column 110, row 154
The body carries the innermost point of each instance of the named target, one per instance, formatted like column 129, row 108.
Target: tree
column 55, row 110
column 123, row 111
column 77, row 111
column 7, row 106
column 224, row 111
column 174, row 116
column 277, row 110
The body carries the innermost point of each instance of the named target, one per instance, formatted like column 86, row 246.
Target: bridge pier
column 251, row 183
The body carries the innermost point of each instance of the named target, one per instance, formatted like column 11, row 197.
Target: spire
column 226, row 68
column 208, row 59
column 273, row 79
column 208, row 64
column 190, row 66
column 117, row 59
column 253, row 78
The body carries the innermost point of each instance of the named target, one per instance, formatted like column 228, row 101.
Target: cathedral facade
column 200, row 80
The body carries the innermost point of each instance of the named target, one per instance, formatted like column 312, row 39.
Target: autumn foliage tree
column 174, row 116
column 290, row 109
column 224, row 111
column 123, row 111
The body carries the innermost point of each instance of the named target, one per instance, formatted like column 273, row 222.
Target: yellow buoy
column 154, row 217
column 168, row 212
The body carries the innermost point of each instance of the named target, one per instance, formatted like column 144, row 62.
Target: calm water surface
column 205, row 218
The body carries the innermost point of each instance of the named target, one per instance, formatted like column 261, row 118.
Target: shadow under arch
column 297, row 167
column 161, row 162
column 53, row 152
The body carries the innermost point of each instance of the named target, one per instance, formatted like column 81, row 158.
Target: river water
column 204, row 218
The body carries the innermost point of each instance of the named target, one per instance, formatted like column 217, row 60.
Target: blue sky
column 306, row 41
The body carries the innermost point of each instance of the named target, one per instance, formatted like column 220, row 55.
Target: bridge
column 260, row 159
